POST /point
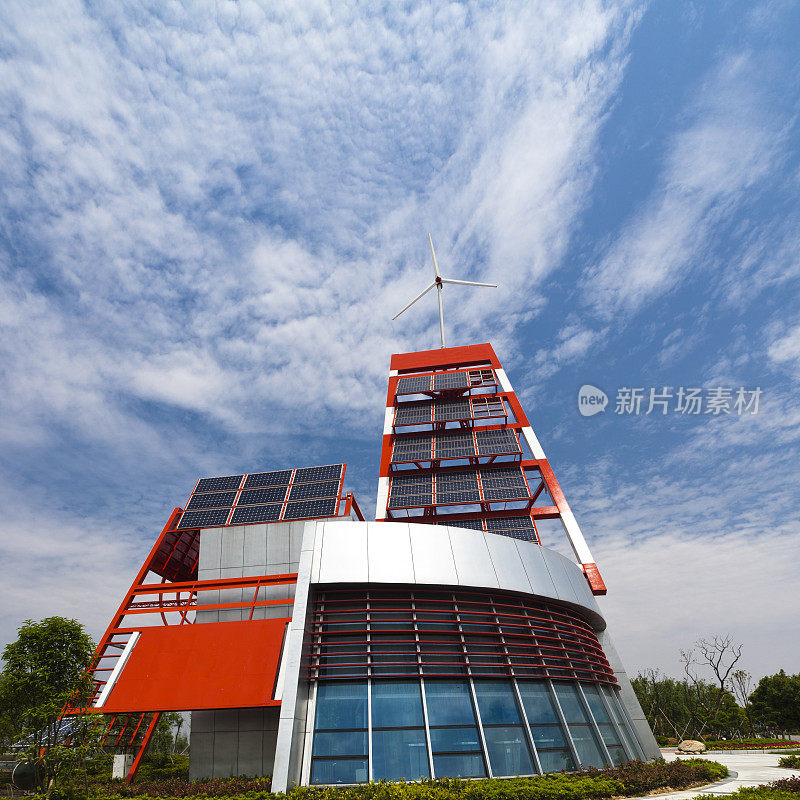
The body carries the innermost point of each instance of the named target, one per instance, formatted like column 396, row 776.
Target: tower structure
column 441, row 640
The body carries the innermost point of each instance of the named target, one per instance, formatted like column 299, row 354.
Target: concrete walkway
column 751, row 768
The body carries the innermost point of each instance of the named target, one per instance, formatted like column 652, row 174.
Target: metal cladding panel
column 532, row 557
column 255, row 545
column 473, row 563
column 508, row 566
column 389, row 551
column 344, row 553
column 183, row 667
column 232, row 547
column 210, row 549
column 278, row 550
column 432, row 554
column 559, row 566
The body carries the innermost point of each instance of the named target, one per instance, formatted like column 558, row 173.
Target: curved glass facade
column 410, row 729
column 413, row 684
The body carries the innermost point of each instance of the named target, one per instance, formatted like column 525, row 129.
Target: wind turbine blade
column 422, row 294
column 469, row 283
column 433, row 256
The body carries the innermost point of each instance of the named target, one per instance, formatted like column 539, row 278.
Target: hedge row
column 751, row 744
column 785, row 789
column 792, row 762
column 635, row 778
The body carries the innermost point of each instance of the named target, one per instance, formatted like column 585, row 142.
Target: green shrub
column 784, row 789
column 749, row 744
column 635, row 778
column 792, row 762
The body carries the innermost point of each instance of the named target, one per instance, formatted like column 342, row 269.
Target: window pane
column 399, row 754
column 449, row 703
column 396, row 704
column 508, row 751
column 496, row 703
column 466, row 766
column 548, row 736
column 609, row 734
column 340, row 743
column 592, row 694
column 617, row 755
column 613, row 700
column 587, row 747
column 570, row 703
column 537, row 702
column 556, row 760
column 454, row 740
column 341, row 705
column 352, row 770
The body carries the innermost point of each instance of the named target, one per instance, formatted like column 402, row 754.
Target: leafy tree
column 775, row 702
column 42, row 670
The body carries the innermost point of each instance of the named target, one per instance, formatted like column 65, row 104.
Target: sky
column 210, row 212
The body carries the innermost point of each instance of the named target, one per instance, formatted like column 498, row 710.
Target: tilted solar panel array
column 465, row 468
column 288, row 494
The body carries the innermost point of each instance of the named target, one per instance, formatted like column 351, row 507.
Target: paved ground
column 752, row 767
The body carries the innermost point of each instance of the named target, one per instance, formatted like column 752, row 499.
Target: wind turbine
column 438, row 282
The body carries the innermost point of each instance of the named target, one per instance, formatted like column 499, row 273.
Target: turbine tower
column 438, row 282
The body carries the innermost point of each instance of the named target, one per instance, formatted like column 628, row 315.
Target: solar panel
column 472, row 524
column 481, row 377
column 309, row 491
column 417, row 448
column 509, row 524
column 451, row 409
column 413, row 413
column 449, row 380
column 414, row 384
column 225, row 483
column 203, row 519
column 243, row 515
column 487, row 407
column 448, row 497
column 504, row 484
column 454, row 445
column 256, row 480
column 494, row 442
column 452, row 480
column 269, row 494
column 211, row 500
column 411, row 500
column 307, row 509
column 311, row 474
column 402, row 487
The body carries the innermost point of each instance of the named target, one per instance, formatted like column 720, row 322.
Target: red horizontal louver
column 397, row 634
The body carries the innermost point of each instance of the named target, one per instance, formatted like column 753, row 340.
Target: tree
column 42, row 670
column 775, row 702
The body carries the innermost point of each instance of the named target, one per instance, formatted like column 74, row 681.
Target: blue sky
column 209, row 213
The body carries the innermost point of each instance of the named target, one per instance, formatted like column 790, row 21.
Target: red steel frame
column 474, row 357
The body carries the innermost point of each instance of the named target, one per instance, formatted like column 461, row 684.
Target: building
column 440, row 640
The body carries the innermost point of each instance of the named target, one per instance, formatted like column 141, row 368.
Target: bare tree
column 719, row 654
column 742, row 683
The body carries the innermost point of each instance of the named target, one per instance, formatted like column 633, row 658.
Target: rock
column 691, row 746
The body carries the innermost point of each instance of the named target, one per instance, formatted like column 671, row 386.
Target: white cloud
column 786, row 349
column 732, row 142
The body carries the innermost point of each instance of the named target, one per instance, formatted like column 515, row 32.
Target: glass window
column 340, row 743
column 556, row 760
column 341, row 706
column 496, row 703
column 592, row 694
column 570, row 703
column 548, row 736
column 613, row 701
column 399, row 754
column 352, row 770
column 589, row 751
column 537, row 702
column 396, row 704
column 449, row 703
column 459, row 766
column 454, row 740
column 508, row 750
